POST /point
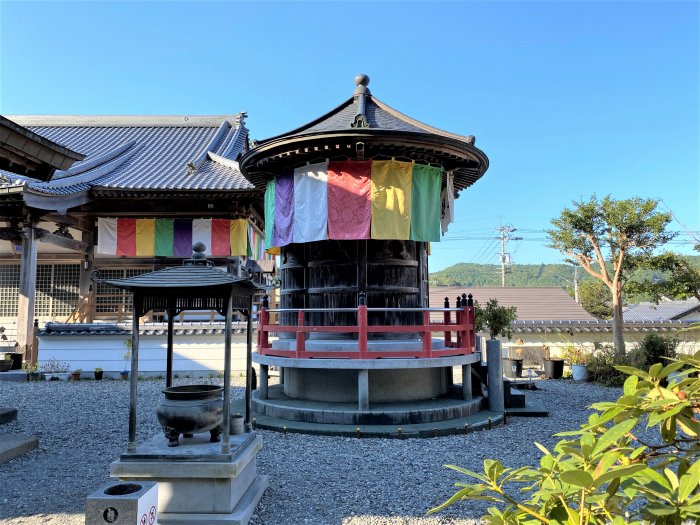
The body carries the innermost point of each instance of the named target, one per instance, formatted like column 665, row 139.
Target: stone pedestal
column 197, row 483
column 495, row 375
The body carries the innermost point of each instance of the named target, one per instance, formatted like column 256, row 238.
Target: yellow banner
column 239, row 237
column 391, row 199
column 145, row 237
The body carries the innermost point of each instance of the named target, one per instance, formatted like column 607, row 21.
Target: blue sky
column 566, row 98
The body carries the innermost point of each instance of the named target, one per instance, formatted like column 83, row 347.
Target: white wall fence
column 196, row 354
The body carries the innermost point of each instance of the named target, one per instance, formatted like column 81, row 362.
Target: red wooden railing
column 463, row 326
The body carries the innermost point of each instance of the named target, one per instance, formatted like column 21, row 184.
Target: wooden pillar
column 169, row 350
column 249, row 366
column 133, row 390
column 226, row 441
column 86, row 304
column 27, row 291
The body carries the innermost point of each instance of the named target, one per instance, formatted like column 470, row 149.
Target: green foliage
column 673, row 275
column 596, row 474
column 576, row 354
column 602, row 367
column 596, row 299
column 656, row 349
column 496, row 319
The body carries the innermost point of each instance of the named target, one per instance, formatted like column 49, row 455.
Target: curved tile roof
column 380, row 116
column 143, row 153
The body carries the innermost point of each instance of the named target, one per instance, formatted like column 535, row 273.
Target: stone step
column 12, row 447
column 280, row 406
column 7, row 415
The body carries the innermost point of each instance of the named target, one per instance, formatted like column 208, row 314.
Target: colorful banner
column 284, row 211
column 391, row 199
column 311, row 203
column 175, row 237
column 350, row 209
column 386, row 199
column 425, row 203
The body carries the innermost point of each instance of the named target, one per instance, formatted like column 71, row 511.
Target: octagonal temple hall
column 353, row 200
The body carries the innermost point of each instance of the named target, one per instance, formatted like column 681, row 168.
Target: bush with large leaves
column 606, row 472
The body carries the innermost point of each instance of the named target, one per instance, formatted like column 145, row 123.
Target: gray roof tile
column 380, row 116
column 157, row 160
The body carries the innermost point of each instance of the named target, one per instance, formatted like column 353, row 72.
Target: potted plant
column 32, row 371
column 553, row 367
column 75, row 374
column 578, row 358
column 5, row 362
column 513, row 364
column 98, row 373
column 127, row 355
column 55, row 370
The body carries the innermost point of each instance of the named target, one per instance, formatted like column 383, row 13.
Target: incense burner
column 191, row 409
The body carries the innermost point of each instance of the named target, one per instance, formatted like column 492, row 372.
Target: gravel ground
column 313, row 479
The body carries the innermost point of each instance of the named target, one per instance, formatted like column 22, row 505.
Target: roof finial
column 361, row 91
column 361, row 81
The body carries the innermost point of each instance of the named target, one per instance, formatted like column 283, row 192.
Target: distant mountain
column 525, row 275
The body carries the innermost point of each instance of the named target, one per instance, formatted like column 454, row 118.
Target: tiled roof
column 380, row 116
column 142, row 153
column 664, row 311
column 92, row 329
column 532, row 303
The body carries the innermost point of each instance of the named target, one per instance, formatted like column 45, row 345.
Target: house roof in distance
column 125, row 154
column 666, row 310
column 533, row 304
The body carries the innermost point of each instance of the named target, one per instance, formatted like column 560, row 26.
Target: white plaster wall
column 190, row 353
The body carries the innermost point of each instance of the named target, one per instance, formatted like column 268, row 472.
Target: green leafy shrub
column 602, row 367
column 496, row 319
column 605, row 472
column 655, row 349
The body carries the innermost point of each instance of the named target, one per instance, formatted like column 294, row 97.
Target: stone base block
column 240, row 516
column 123, row 504
column 200, row 488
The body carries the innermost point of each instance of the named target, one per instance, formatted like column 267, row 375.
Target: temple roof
column 128, row 154
column 27, row 153
column 183, row 277
column 365, row 127
column 380, row 116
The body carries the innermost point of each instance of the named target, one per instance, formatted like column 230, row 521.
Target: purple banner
column 284, row 210
column 182, row 238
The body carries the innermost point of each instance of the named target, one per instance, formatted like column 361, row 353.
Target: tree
column 600, row 473
column 679, row 278
column 596, row 299
column 610, row 239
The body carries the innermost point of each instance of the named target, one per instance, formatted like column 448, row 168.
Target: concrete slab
column 529, row 410
column 13, row 375
column 7, row 415
column 369, row 364
column 12, row 447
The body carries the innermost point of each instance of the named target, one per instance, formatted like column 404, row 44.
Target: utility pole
column 504, row 237
column 577, row 298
